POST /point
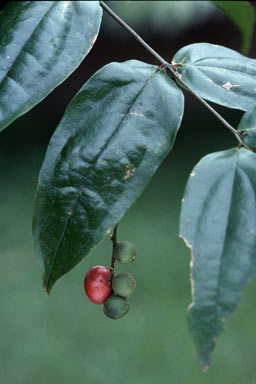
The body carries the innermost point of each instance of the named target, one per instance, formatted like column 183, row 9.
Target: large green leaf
column 242, row 14
column 41, row 44
column 112, row 138
column 248, row 126
column 218, row 224
column 218, row 74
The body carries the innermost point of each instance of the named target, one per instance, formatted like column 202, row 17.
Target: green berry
column 123, row 284
column 116, row 307
column 125, row 252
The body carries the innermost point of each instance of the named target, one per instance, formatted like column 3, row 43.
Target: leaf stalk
column 113, row 238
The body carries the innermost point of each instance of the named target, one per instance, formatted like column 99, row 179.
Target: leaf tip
column 205, row 361
column 204, row 368
column 47, row 289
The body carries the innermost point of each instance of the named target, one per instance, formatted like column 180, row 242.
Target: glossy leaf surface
column 112, row 138
column 218, row 224
column 41, row 44
column 248, row 125
column 218, row 74
column 242, row 15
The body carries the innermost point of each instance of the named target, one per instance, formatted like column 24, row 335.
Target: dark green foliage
column 41, row 44
column 218, row 224
column 111, row 140
column 243, row 16
column 218, row 74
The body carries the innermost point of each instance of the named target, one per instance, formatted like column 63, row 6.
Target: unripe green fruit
column 116, row 307
column 125, row 252
column 123, row 284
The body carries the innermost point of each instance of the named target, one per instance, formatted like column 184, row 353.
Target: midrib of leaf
column 25, row 43
column 89, row 173
column 197, row 227
column 248, row 129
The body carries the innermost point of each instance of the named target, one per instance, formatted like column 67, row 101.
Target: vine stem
column 113, row 238
column 172, row 70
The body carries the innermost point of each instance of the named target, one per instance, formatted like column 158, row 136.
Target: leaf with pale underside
column 248, row 127
column 218, row 74
column 112, row 138
column 218, row 223
column 41, row 44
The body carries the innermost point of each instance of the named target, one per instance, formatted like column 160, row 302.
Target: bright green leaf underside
column 218, row 223
column 41, row 44
column 242, row 14
column 112, row 138
column 218, row 74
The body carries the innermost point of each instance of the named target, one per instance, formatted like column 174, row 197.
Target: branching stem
column 172, row 71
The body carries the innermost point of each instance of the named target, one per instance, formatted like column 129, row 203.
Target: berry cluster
column 103, row 287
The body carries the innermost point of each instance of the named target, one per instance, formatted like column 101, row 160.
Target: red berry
column 97, row 284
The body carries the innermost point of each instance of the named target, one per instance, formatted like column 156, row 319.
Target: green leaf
column 41, row 44
column 242, row 15
column 218, row 74
column 248, row 126
column 218, row 224
column 112, row 138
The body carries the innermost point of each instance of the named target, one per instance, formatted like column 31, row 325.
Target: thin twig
column 171, row 69
column 132, row 32
column 113, row 238
column 210, row 108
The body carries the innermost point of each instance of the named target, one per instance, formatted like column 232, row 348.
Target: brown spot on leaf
column 94, row 39
column 129, row 173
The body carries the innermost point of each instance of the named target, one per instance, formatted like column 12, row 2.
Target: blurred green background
column 65, row 338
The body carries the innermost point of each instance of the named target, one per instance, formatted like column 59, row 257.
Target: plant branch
column 132, row 32
column 172, row 70
column 211, row 109
column 113, row 238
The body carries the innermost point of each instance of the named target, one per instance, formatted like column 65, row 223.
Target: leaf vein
column 25, row 43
